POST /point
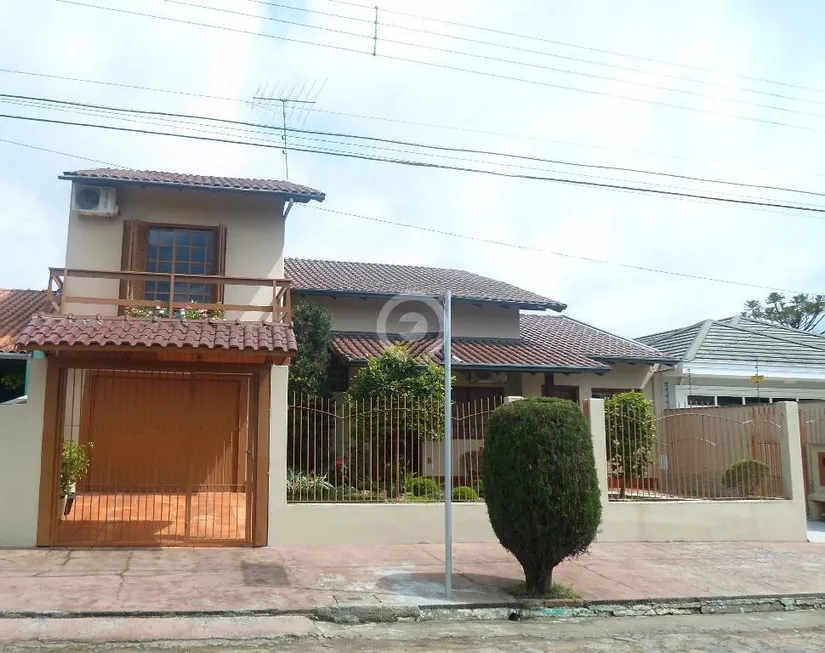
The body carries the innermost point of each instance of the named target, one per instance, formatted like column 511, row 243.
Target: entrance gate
column 154, row 458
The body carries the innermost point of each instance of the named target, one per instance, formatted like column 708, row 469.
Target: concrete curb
column 512, row 610
column 538, row 609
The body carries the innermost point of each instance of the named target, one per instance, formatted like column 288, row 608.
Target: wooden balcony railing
column 279, row 310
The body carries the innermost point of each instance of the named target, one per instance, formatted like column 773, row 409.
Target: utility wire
column 540, row 250
column 413, row 123
column 497, row 60
column 433, row 64
column 479, row 239
column 193, row 126
column 567, row 44
column 422, row 164
column 426, row 146
column 544, row 53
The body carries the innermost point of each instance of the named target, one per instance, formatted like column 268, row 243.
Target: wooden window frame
column 135, row 254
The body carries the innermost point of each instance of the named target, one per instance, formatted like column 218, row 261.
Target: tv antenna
column 292, row 106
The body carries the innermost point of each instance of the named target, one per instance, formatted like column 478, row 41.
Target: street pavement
column 788, row 632
column 295, row 579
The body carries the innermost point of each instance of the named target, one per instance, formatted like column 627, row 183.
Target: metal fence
column 380, row 450
column 694, row 453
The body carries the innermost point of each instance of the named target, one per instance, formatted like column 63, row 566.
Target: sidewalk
column 159, row 581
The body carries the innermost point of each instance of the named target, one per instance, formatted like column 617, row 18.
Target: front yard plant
column 630, row 425
column 464, row 493
column 540, row 485
column 748, row 477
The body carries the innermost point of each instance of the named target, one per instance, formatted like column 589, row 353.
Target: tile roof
column 380, row 279
column 582, row 338
column 741, row 341
column 119, row 176
column 547, row 342
column 67, row 330
column 16, row 308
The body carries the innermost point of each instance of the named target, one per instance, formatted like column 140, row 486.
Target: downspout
column 288, row 208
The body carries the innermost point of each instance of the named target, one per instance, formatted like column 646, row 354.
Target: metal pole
column 448, row 444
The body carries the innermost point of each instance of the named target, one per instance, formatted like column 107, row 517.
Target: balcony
column 92, row 292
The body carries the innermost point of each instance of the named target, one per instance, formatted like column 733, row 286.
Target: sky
column 721, row 135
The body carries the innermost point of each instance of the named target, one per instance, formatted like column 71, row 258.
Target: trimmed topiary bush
column 540, row 485
column 421, row 486
column 630, row 425
column 464, row 493
column 749, row 477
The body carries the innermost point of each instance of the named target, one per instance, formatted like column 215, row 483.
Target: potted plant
column 74, row 465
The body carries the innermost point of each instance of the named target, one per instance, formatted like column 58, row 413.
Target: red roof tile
column 547, row 342
column 16, row 309
column 349, row 277
column 67, row 330
column 154, row 178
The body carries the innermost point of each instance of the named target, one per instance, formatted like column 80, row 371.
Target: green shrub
column 540, row 485
column 630, row 425
column 307, row 486
column 421, row 486
column 74, row 465
column 749, row 477
column 464, row 493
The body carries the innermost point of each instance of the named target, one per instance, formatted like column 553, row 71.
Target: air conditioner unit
column 488, row 377
column 94, row 200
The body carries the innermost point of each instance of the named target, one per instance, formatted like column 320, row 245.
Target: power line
column 583, row 47
column 496, row 59
column 413, row 123
column 432, row 64
column 426, row 146
column 539, row 250
column 489, row 241
column 222, row 130
column 543, row 53
column 423, row 164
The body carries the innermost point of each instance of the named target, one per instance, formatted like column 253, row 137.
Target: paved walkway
column 300, row 578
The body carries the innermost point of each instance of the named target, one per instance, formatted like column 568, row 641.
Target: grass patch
column 557, row 591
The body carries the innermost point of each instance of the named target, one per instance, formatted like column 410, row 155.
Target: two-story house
column 162, row 379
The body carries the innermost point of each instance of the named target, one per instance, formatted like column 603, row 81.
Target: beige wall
column 277, row 450
column 21, row 436
column 254, row 240
column 621, row 376
column 667, row 521
column 356, row 524
column 410, row 316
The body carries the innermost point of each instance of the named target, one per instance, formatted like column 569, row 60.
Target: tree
column 802, row 312
column 313, row 331
column 397, row 401
column 540, row 485
column 631, row 432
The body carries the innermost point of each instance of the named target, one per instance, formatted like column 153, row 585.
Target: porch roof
column 16, row 309
column 546, row 343
column 46, row 331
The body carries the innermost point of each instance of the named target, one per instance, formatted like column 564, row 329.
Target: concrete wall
column 21, row 437
column 775, row 520
column 278, row 410
column 621, row 376
column 402, row 315
column 254, row 239
column 359, row 524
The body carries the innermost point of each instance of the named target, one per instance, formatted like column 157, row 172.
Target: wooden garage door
column 164, row 431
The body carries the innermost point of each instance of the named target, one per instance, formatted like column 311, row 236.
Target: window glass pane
column 199, row 238
column 757, row 400
column 700, row 400
column 181, row 267
column 152, row 254
column 183, row 238
column 729, row 401
column 198, row 268
column 163, row 266
column 199, row 254
column 165, row 253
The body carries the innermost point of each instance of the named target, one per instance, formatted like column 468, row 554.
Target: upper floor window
column 182, row 251
column 173, row 249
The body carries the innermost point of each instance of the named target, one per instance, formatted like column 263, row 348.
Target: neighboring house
column 16, row 308
column 739, row 361
column 498, row 350
column 180, row 411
